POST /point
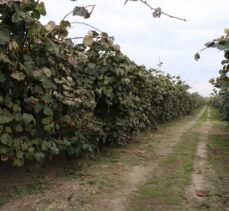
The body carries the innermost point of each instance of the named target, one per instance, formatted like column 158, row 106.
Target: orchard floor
column 183, row 165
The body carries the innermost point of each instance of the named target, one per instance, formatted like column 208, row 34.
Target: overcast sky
column 145, row 39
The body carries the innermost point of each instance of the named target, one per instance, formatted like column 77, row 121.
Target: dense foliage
column 57, row 97
column 220, row 98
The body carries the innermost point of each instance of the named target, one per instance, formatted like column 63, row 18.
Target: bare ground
column 200, row 187
column 118, row 201
column 108, row 182
column 204, row 192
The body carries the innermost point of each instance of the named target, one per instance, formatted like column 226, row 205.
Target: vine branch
column 75, row 38
column 157, row 11
column 92, row 6
column 67, row 15
column 82, row 23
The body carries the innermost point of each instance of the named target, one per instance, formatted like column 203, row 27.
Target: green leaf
column 18, row 162
column 28, row 118
column 54, row 150
column 47, row 120
column 48, row 111
column 91, row 65
column 8, row 130
column 48, row 98
column 6, row 117
column 39, row 156
column 4, row 58
column 52, row 48
column 27, row 5
column 18, row 128
column 49, row 128
column 37, row 75
column 81, row 11
column 119, row 71
column 20, row 16
column 24, row 146
column 67, row 119
column 66, row 143
column 38, row 107
column 6, row 139
column 31, row 149
column 5, row 120
column 46, row 71
column 3, row 150
column 64, row 24
column 4, row 35
column 46, row 145
column 197, row 56
column 2, row 78
column 16, row 108
column 41, row 8
column 16, row 18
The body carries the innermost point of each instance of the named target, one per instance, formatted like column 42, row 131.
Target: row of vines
column 220, row 97
column 61, row 98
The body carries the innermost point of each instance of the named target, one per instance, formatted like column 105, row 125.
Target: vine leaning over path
column 220, row 98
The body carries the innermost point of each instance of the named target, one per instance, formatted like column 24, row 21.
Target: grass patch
column 218, row 150
column 165, row 188
column 28, row 189
column 4, row 199
column 204, row 116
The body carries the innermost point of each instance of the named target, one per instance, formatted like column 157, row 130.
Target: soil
column 199, row 187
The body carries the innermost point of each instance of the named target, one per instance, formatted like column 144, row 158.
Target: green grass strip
column 218, row 156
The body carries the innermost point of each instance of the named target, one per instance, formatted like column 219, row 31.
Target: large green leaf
column 28, row 118
column 47, row 120
column 6, row 118
column 48, row 111
column 6, row 139
column 3, row 150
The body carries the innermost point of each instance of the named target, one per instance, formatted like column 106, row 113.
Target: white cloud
column 146, row 39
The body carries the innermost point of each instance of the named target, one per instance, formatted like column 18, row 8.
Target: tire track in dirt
column 118, row 201
column 200, row 188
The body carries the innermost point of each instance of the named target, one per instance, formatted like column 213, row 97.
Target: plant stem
column 82, row 23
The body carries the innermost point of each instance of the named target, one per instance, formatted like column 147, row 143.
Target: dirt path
column 200, row 187
column 118, row 201
column 107, row 183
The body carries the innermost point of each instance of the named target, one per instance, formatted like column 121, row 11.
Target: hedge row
column 220, row 98
column 57, row 97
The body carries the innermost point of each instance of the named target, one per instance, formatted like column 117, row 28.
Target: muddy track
column 67, row 194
